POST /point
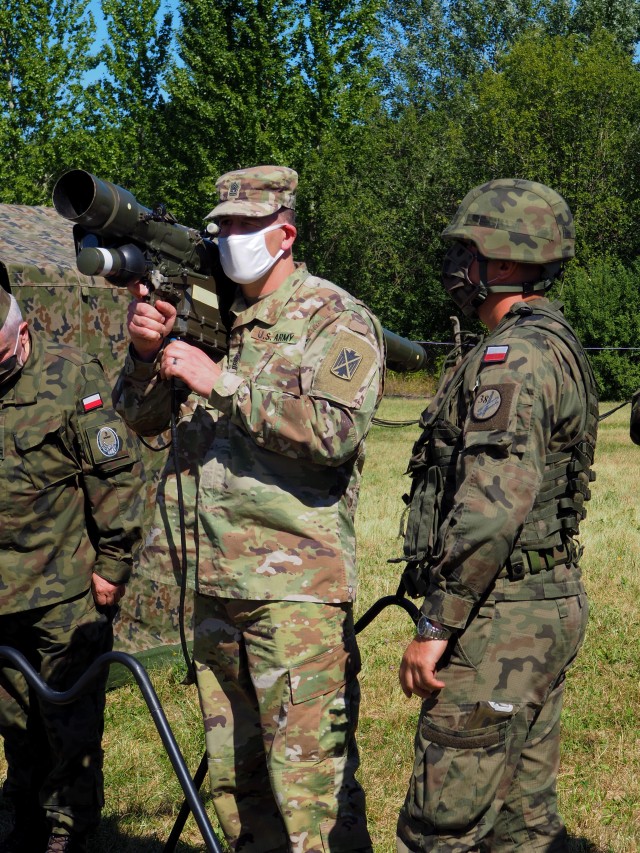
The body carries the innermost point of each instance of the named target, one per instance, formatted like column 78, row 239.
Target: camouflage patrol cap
column 517, row 220
column 257, row 191
column 5, row 304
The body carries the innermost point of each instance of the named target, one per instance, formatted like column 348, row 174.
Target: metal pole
column 155, row 709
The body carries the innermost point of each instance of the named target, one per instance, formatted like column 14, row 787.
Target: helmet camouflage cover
column 506, row 219
column 516, row 220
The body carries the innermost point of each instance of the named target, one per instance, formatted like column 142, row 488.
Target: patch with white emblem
column 492, row 407
column 107, row 444
column 108, row 441
column 486, row 404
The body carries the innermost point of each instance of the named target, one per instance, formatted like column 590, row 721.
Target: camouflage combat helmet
column 507, row 219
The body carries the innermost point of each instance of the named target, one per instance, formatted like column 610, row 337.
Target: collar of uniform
column 26, row 388
column 530, row 306
column 268, row 309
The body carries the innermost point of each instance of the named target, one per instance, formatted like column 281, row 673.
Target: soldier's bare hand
column 149, row 325
column 138, row 290
column 105, row 592
column 418, row 668
column 182, row 361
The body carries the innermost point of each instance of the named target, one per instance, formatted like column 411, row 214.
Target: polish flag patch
column 94, row 401
column 495, row 354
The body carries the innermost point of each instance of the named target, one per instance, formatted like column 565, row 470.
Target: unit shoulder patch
column 108, row 445
column 487, row 404
column 345, row 369
column 108, row 441
column 492, row 407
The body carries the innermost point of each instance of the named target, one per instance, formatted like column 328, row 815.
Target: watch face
column 423, row 626
column 426, row 628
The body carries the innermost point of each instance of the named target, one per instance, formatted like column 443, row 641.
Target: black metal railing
column 155, row 709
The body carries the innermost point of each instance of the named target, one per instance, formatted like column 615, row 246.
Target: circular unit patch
column 108, row 441
column 486, row 404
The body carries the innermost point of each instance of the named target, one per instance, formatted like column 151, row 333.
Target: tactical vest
column 547, row 536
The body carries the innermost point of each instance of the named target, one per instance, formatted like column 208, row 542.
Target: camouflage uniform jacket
column 278, row 484
column 522, row 397
column 70, row 481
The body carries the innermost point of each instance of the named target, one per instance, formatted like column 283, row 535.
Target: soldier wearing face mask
column 501, row 473
column 70, row 518
column 285, row 414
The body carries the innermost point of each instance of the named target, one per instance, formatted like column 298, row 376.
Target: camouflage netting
column 38, row 265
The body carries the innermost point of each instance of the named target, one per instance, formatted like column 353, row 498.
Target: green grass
column 599, row 782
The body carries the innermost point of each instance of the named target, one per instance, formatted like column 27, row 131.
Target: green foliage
column 234, row 97
column 45, row 50
column 603, row 304
column 374, row 221
column 433, row 46
column 561, row 112
column 127, row 102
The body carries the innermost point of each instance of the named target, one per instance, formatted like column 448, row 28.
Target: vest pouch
column 430, row 464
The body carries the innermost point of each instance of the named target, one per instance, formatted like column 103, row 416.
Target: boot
column 30, row 829
column 73, row 843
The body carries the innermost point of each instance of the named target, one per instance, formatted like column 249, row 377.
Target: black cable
column 381, row 422
column 611, row 411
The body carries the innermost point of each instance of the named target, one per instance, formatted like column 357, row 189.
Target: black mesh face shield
column 456, row 281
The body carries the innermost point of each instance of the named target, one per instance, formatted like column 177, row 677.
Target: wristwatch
column 426, row 630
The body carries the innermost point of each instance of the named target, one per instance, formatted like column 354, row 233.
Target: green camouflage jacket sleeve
column 512, row 414
column 112, row 479
column 326, row 418
column 141, row 397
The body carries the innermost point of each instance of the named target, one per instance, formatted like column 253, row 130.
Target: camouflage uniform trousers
column 279, row 695
column 54, row 752
column 488, row 746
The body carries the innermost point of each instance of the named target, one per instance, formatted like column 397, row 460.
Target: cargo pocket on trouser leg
column 465, row 760
column 320, row 797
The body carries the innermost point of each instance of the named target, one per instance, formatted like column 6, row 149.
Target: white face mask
column 245, row 257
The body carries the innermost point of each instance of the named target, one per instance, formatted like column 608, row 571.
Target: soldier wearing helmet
column 500, row 476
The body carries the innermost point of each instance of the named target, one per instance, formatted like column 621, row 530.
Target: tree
column 235, row 95
column 45, row 51
column 127, row 101
column 434, row 46
column 603, row 305
column 563, row 112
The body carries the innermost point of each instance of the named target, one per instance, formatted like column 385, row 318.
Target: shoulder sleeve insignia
column 492, row 408
column 345, row 372
column 93, row 401
column 486, row 404
column 108, row 441
column 346, row 364
column 108, row 445
column 495, row 354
